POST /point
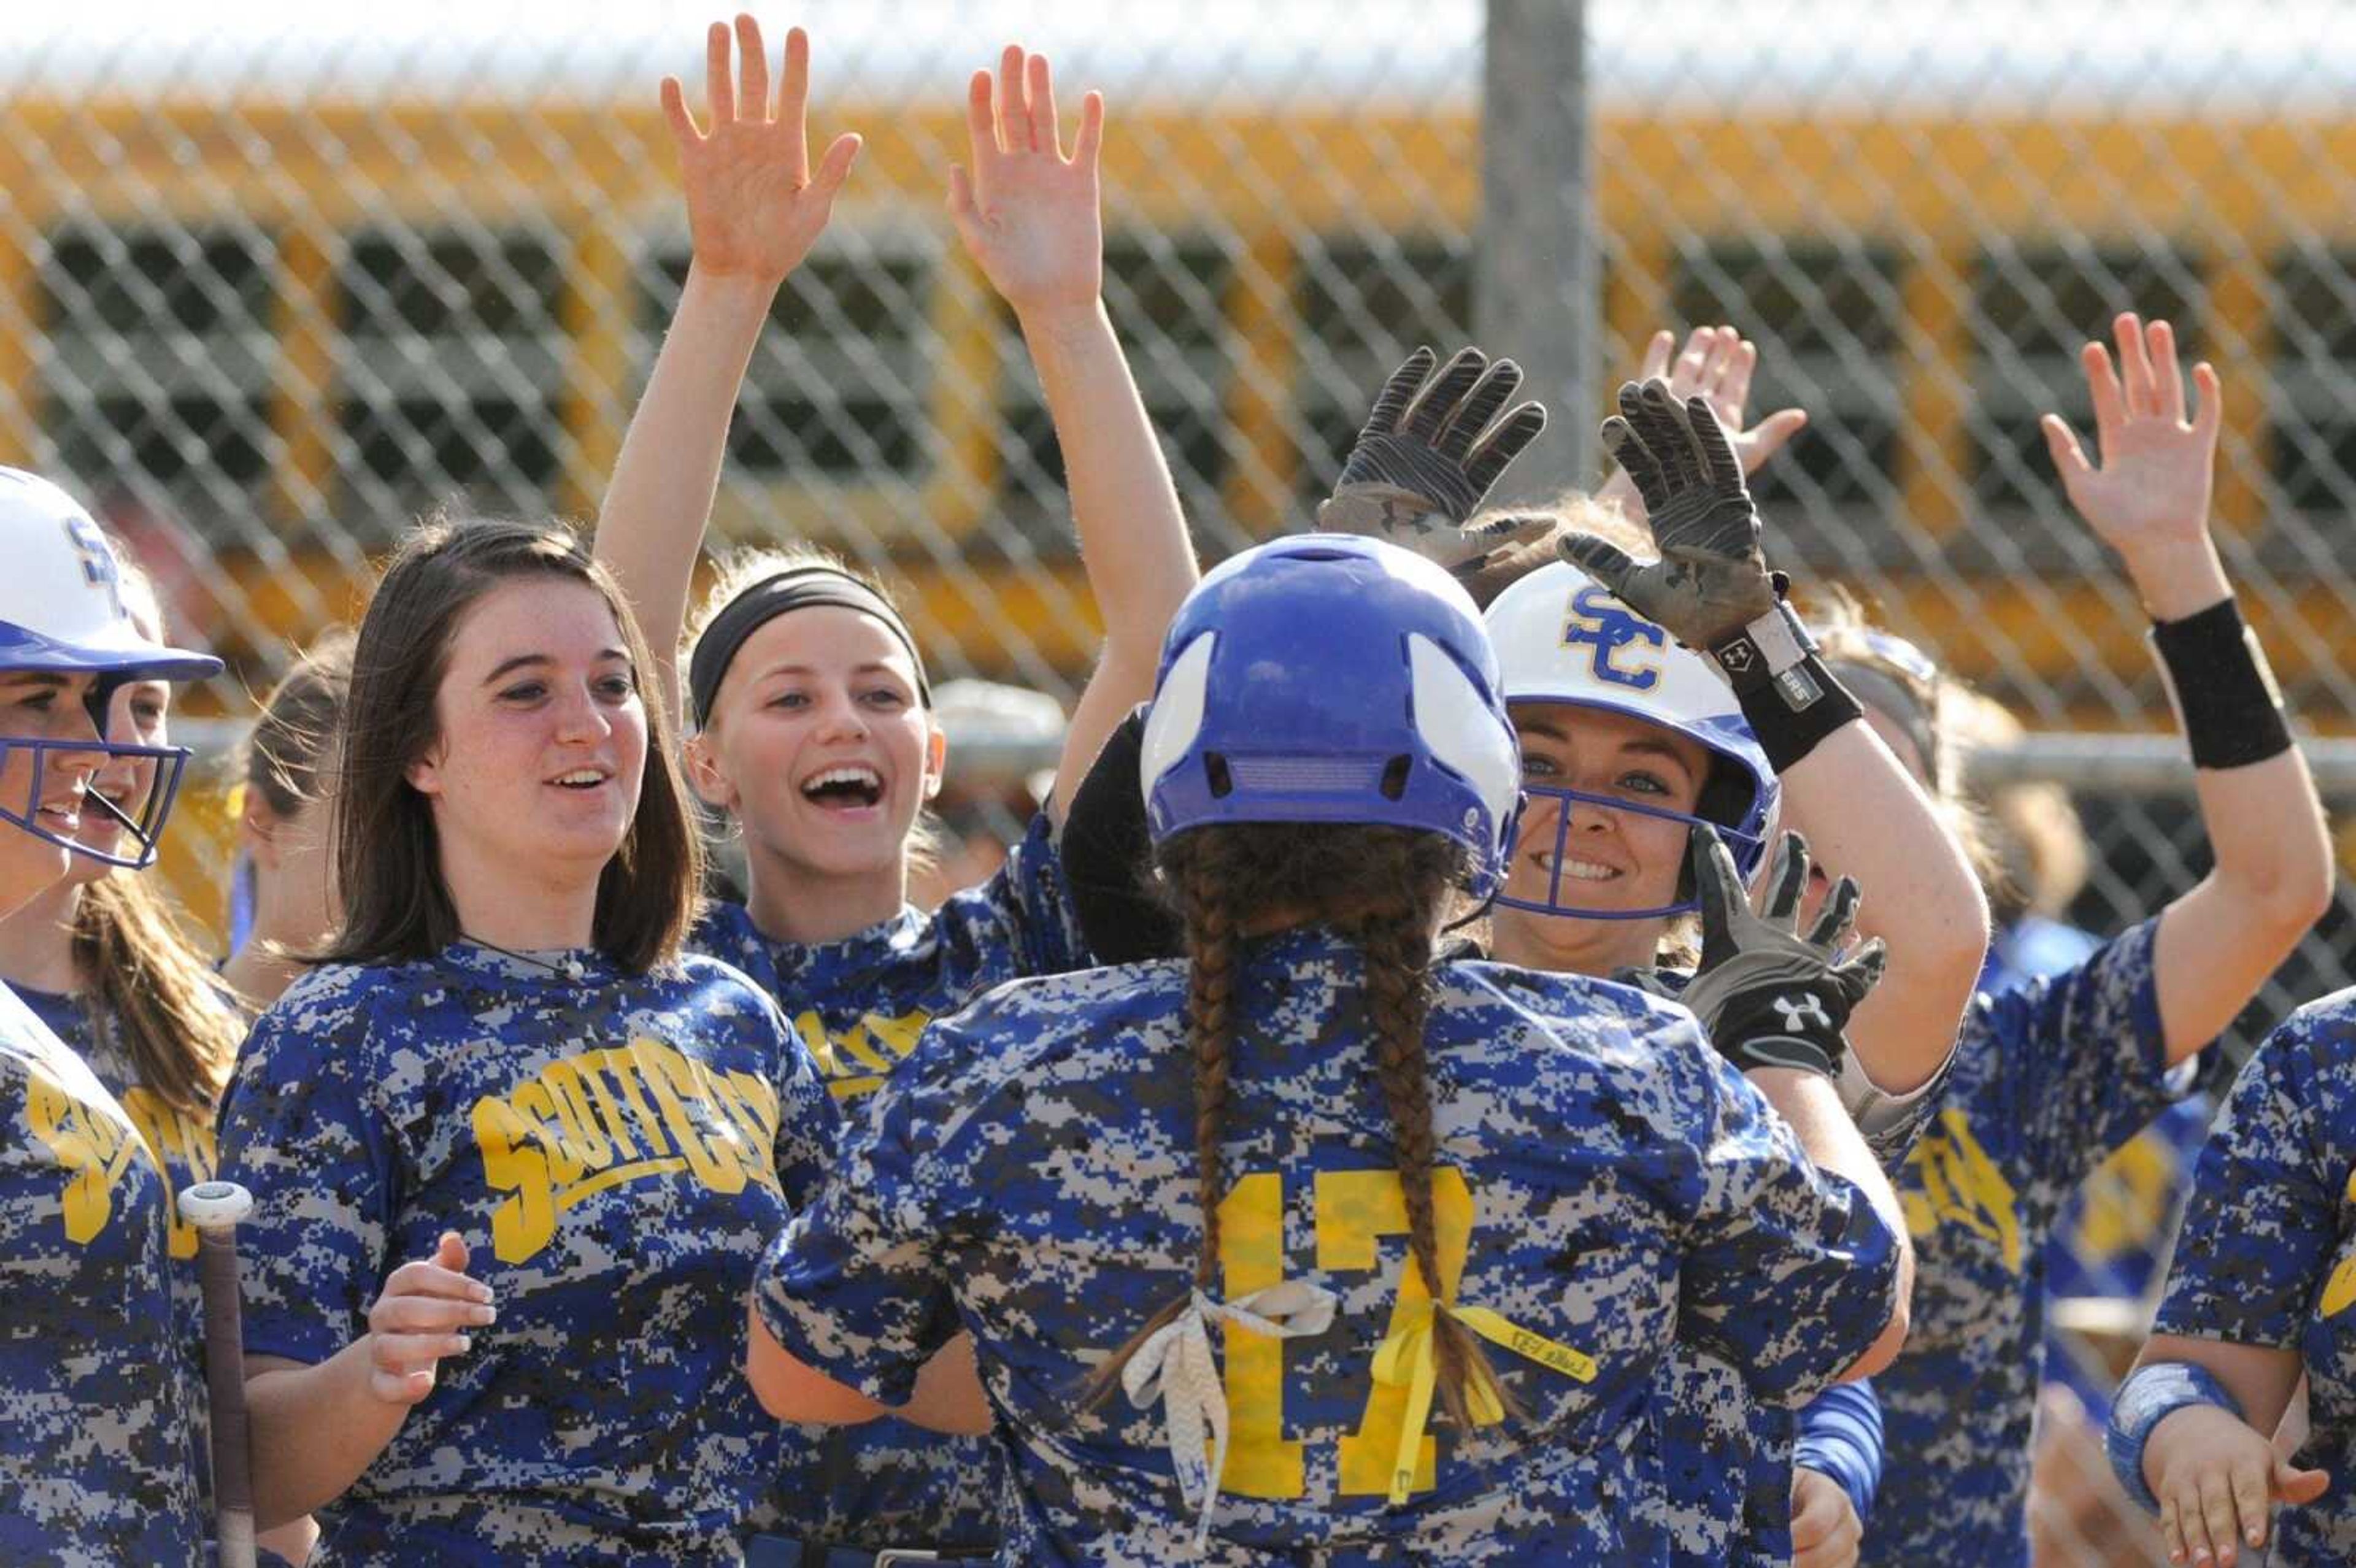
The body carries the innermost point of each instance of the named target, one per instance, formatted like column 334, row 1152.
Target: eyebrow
column 1642, row 745
column 34, row 680
column 870, row 666
column 509, row 666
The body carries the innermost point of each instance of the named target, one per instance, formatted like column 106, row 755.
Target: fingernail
column 465, row 1342
column 484, row 1315
column 479, row 1292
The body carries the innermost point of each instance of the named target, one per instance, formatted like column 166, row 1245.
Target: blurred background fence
column 275, row 277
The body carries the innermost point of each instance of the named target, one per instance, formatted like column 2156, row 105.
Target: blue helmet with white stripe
column 1563, row 637
column 1330, row 677
column 62, row 613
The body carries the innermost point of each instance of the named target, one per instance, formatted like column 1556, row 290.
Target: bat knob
column 211, row 1204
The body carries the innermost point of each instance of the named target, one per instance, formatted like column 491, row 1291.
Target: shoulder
column 1603, row 1018
column 724, row 930
column 2312, row 1055
column 334, row 1010
column 1046, row 1010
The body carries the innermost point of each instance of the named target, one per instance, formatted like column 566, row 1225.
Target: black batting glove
column 1768, row 995
column 1712, row 579
column 1429, row 453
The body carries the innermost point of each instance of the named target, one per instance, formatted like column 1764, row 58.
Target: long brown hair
column 287, row 756
column 1386, row 887
column 146, row 978
column 396, row 906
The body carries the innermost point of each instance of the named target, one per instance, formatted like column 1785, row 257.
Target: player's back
column 1602, row 1186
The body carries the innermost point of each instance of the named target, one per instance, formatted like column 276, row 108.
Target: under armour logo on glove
column 1801, row 1011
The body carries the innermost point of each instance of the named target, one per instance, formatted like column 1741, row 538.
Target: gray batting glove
column 1712, row 579
column 1430, row 452
column 1768, row 995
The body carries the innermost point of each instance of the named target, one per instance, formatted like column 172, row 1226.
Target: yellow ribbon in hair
column 1410, row 1359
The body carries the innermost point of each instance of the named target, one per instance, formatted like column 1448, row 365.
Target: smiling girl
column 99, row 1403
column 809, row 694
column 515, row 1155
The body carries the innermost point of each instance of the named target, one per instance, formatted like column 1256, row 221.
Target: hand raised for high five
column 2152, row 491
column 1030, row 217
column 754, row 208
column 1716, row 366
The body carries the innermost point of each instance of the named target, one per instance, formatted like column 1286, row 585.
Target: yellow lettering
column 1261, row 1462
column 2341, row 1289
column 576, row 1113
column 898, row 1035
column 93, row 1146
column 181, row 1142
column 1355, row 1209
column 514, row 1161
column 1962, row 1186
column 675, row 1082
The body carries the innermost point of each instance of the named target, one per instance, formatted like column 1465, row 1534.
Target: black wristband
column 1787, row 734
column 2225, row 698
column 1782, row 1026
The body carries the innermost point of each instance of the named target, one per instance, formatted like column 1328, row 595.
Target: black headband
column 1885, row 692
column 797, row 588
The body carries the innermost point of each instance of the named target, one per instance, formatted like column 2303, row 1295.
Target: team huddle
column 1489, row 1054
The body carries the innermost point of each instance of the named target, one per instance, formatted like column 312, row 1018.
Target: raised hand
column 1711, row 580
column 753, row 208
column 2158, row 466
column 424, row 1315
column 1716, row 365
column 1030, row 217
column 1768, row 995
column 1429, row 453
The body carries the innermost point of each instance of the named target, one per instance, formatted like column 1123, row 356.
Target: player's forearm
column 1812, row 1106
column 1132, row 533
column 1864, row 816
column 650, row 525
column 315, row 1429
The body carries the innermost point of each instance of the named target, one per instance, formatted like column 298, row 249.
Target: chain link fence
column 277, row 278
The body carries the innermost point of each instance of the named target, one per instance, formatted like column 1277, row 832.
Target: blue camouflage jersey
column 183, row 1140
column 1728, row 1455
column 2267, row 1254
column 1606, row 1185
column 2047, row 1079
column 97, row 1392
column 615, row 1151
column 859, row 1004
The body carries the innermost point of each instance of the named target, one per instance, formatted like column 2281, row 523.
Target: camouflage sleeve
column 2263, row 1221
column 300, row 1134
column 809, row 1124
column 854, row 1287
column 1036, row 902
column 1790, row 1275
column 2084, row 1055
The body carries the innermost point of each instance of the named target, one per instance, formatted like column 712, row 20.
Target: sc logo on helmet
column 1621, row 647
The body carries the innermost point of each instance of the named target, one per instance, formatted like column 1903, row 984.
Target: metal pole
column 1534, row 280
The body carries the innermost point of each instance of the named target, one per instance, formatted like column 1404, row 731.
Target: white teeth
column 852, row 776
column 1587, row 871
column 582, row 776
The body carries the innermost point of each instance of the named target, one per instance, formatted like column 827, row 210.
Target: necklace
column 568, row 968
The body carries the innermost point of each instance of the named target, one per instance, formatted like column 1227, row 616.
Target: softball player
column 283, row 900
column 1581, row 1174
column 2258, row 1296
column 2050, row 1077
column 514, row 1158
column 807, row 687
column 99, row 1403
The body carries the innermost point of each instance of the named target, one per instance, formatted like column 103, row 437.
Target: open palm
column 753, row 208
column 2158, row 466
column 1030, row 217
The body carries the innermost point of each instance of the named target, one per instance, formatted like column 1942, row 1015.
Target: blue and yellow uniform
column 2047, row 1079
column 859, row 1004
column 2267, row 1254
column 615, row 1150
column 1728, row 1455
column 98, row 1394
column 1605, row 1188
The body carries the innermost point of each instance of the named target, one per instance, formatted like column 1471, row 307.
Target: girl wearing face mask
column 514, row 1154
column 806, row 690
column 100, row 1435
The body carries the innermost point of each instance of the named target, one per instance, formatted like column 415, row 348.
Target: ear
column 937, row 758
column 258, row 828
column 704, row 776
column 425, row 774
